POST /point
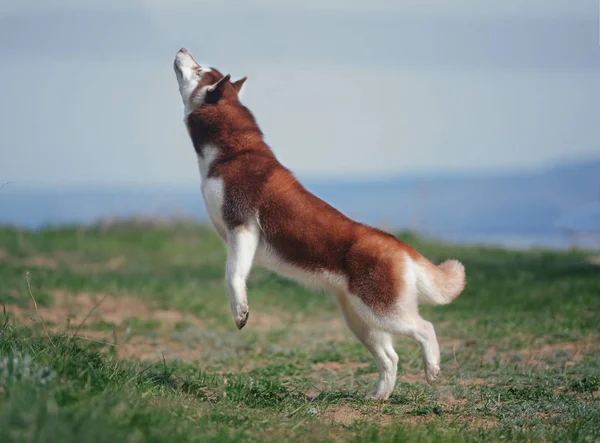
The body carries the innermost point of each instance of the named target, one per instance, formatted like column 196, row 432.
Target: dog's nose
column 183, row 50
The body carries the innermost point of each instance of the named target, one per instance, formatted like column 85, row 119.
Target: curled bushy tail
column 439, row 285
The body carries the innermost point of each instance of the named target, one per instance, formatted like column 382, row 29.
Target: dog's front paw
column 242, row 318
column 432, row 373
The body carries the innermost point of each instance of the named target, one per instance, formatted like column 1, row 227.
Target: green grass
column 162, row 361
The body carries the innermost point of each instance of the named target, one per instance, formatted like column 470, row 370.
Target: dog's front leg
column 241, row 248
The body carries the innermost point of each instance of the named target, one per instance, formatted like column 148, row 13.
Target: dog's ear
column 237, row 85
column 215, row 92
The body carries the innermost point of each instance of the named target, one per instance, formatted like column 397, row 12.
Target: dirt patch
column 140, row 347
column 111, row 264
column 91, row 307
column 111, row 309
column 412, row 378
column 594, row 260
column 3, row 255
column 312, row 393
column 152, row 349
column 342, row 414
column 69, row 310
column 490, row 355
column 173, row 317
column 99, row 306
column 42, row 261
column 468, row 421
column 573, row 352
column 338, row 366
column 448, row 400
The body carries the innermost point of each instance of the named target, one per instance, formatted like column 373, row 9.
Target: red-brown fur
column 303, row 229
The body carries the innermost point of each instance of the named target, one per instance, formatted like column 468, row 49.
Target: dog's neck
column 229, row 126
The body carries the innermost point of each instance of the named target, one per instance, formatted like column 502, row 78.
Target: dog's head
column 201, row 85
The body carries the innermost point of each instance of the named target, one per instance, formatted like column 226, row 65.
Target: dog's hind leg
column 378, row 342
column 423, row 332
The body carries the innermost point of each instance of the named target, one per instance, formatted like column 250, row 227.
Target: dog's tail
column 439, row 285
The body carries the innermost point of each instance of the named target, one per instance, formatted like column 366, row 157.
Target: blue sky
column 341, row 88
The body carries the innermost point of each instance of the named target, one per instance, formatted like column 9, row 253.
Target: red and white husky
column 267, row 217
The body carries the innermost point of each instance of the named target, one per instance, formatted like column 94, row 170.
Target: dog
column 267, row 217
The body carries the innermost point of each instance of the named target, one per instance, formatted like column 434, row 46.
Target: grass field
column 137, row 344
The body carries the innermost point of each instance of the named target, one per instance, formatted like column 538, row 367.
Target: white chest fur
column 212, row 190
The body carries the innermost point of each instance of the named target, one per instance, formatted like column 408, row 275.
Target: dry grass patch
column 81, row 312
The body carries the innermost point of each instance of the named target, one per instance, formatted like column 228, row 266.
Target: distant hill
column 511, row 202
column 527, row 202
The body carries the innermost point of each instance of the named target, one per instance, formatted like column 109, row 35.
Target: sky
column 342, row 89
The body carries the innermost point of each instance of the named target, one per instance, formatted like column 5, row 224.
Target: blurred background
column 467, row 121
